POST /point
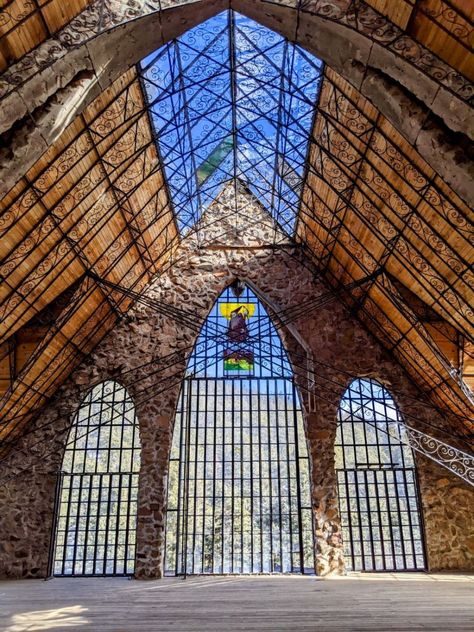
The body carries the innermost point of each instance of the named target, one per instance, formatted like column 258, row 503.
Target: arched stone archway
column 44, row 91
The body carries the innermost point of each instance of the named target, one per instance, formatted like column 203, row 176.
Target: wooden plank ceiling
column 443, row 26
column 371, row 203
column 24, row 24
column 96, row 203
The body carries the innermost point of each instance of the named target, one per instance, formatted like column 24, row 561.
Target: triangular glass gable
column 232, row 99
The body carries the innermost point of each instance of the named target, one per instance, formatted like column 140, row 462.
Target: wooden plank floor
column 443, row 603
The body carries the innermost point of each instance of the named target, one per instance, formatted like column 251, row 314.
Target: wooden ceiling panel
column 445, row 27
column 447, row 31
column 57, row 13
column 56, row 355
column 398, row 217
column 43, row 284
column 25, row 23
column 94, row 206
column 398, row 12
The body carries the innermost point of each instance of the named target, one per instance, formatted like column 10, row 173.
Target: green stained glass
column 215, row 158
column 238, row 361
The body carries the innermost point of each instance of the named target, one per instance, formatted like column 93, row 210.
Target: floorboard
column 443, row 603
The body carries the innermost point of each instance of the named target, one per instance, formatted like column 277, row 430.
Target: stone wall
column 227, row 244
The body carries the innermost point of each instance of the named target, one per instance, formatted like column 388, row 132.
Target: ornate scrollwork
column 456, row 461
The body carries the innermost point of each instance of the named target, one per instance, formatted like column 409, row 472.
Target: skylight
column 232, row 99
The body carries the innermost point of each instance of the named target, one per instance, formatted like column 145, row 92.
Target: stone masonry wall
column 229, row 244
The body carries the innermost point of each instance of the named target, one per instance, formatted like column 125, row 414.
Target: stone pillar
column 26, row 524
column 448, row 514
column 328, row 546
column 155, row 435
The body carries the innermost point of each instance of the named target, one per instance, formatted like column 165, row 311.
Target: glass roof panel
column 232, row 99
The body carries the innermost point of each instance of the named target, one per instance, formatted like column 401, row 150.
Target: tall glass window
column 97, row 503
column 378, row 495
column 239, row 477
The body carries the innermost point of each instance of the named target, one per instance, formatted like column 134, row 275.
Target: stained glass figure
column 238, row 331
column 238, row 360
column 231, row 99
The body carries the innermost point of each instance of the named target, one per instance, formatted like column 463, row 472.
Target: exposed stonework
column 227, row 245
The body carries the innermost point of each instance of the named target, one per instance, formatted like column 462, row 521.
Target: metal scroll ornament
column 456, row 461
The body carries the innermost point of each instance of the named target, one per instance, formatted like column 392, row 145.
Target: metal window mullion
column 349, row 518
column 277, row 433
column 78, row 514
column 68, row 518
column 261, row 470
column 389, row 516
column 269, row 458
column 232, row 417
column 298, row 478
column 194, row 414
column 186, row 476
column 87, row 525
column 369, row 515
column 224, row 463
column 288, row 473
column 242, row 520
column 204, row 474
column 131, row 487
column 381, row 533
column 179, row 506
column 96, row 540
column 214, row 477
column 117, row 524
column 251, row 503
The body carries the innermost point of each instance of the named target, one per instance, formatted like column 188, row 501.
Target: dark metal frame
column 380, row 508
column 232, row 98
column 239, row 460
column 97, row 491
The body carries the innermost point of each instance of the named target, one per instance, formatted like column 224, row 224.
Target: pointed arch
column 239, row 474
column 377, row 484
column 97, row 501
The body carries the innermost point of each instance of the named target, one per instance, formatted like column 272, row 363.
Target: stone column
column 328, row 546
column 155, row 434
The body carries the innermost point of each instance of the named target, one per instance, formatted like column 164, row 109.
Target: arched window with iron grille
column 239, row 473
column 97, row 498
column 377, row 484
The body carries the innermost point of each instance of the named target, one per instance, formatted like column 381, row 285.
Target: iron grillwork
column 97, row 496
column 230, row 99
column 377, row 483
column 239, row 486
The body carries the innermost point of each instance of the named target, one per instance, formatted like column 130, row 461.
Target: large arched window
column 378, row 495
column 97, row 502
column 239, row 488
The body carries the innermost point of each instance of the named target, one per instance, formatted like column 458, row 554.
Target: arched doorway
column 377, row 483
column 97, row 501
column 239, row 474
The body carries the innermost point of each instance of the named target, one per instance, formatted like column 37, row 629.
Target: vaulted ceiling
column 103, row 201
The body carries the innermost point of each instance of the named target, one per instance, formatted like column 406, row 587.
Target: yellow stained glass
column 226, row 309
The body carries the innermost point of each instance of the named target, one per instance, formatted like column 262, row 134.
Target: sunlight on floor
column 402, row 577
column 48, row 619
